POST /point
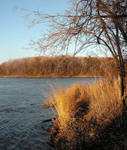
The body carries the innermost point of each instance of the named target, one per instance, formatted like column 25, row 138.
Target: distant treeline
column 59, row 66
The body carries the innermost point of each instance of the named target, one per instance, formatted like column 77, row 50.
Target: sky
column 15, row 33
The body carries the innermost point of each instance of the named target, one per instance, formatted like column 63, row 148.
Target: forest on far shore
column 59, row 66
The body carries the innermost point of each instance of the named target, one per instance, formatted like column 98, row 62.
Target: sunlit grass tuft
column 87, row 114
column 66, row 100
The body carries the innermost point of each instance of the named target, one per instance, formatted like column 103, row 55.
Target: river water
column 21, row 114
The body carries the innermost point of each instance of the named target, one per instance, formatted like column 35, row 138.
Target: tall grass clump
column 88, row 116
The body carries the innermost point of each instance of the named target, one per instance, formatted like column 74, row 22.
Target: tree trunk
column 122, row 83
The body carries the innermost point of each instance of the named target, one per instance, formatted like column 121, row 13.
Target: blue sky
column 15, row 33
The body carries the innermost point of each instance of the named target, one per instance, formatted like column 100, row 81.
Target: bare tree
column 88, row 23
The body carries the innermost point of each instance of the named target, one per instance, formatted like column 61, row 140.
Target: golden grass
column 105, row 101
column 66, row 100
column 103, row 96
column 84, row 112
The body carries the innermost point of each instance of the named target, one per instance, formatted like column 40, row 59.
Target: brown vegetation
column 59, row 66
column 89, row 117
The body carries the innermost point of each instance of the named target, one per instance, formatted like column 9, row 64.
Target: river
column 21, row 114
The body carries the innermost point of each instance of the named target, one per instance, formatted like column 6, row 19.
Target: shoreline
column 48, row 76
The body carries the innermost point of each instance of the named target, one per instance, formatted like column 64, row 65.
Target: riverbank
column 49, row 76
column 59, row 66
